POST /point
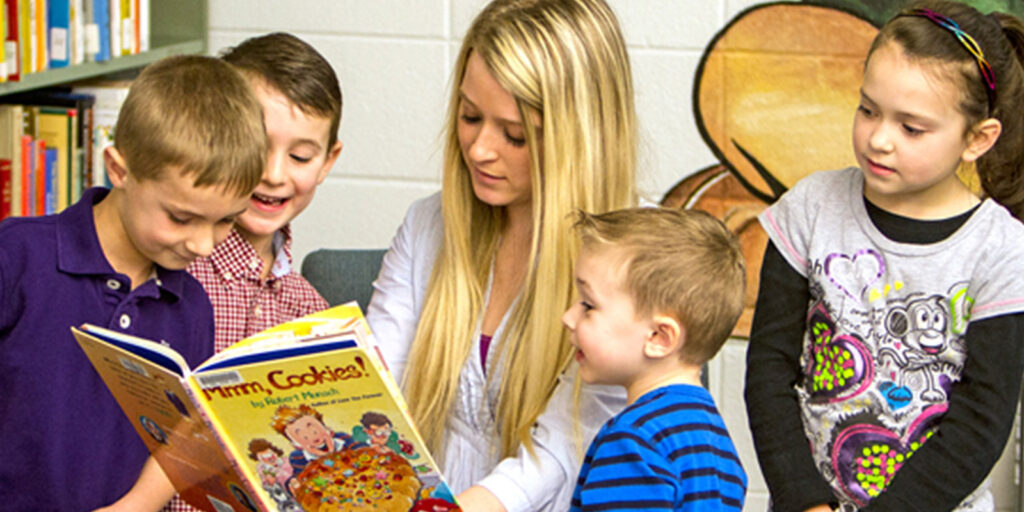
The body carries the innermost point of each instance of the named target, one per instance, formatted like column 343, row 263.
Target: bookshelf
column 176, row 27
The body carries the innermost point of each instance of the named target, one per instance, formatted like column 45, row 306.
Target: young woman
column 466, row 308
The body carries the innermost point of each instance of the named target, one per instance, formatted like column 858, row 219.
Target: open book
column 302, row 416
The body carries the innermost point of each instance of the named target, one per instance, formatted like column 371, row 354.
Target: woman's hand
column 479, row 499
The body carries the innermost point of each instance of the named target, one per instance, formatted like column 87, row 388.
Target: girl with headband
column 886, row 353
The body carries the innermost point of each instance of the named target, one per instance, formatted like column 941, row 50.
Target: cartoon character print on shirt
column 923, row 348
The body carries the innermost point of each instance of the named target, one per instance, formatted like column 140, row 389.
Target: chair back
column 343, row 275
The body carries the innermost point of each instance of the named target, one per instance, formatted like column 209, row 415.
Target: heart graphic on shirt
column 865, row 457
column 840, row 366
column 853, row 275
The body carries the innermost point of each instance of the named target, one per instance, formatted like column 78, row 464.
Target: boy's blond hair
column 198, row 116
column 295, row 69
column 681, row 263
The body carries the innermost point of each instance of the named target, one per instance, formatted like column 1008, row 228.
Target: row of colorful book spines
column 46, row 34
column 38, row 191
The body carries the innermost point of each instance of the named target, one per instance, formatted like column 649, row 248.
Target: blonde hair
column 196, row 114
column 685, row 264
column 565, row 63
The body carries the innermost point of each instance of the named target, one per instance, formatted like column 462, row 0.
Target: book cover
column 76, row 33
column 12, row 47
column 303, row 416
column 58, row 18
column 28, row 180
column 26, row 36
column 39, row 16
column 101, row 19
column 49, row 158
column 125, row 26
column 6, row 188
column 10, row 149
column 53, row 128
column 3, row 47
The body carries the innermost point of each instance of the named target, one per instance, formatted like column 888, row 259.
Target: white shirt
column 521, row 483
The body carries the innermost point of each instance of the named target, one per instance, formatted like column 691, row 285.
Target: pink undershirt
column 485, row 345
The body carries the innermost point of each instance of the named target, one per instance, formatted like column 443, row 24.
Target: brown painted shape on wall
column 780, row 83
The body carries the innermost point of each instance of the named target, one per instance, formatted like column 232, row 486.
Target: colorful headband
column 969, row 43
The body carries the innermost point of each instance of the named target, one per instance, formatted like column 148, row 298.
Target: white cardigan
column 521, row 483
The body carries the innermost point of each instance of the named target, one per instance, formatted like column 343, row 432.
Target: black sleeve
column 773, row 368
column 974, row 430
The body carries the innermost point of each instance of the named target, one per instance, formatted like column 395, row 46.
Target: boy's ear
column 981, row 139
column 666, row 338
column 332, row 156
column 117, row 171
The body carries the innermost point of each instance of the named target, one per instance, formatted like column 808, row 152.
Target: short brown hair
column 292, row 67
column 259, row 445
column 197, row 114
column 682, row 263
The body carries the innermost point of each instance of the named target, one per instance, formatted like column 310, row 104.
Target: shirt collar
column 78, row 245
column 79, row 250
column 235, row 258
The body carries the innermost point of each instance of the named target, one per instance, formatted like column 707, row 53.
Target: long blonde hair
column 565, row 63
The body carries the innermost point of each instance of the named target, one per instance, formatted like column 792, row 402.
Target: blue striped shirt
column 668, row 451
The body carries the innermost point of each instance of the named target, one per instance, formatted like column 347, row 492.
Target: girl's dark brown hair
column 1001, row 38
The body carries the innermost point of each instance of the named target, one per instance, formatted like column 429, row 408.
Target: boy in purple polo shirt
column 189, row 149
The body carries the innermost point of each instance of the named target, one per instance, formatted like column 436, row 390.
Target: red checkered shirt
column 244, row 303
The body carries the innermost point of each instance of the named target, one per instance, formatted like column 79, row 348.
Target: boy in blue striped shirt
column 660, row 291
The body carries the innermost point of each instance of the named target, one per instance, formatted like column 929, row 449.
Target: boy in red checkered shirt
column 249, row 276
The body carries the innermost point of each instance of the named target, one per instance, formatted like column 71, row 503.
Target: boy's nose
column 201, row 243
column 568, row 318
column 274, row 172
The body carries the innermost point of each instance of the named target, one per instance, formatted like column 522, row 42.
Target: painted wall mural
column 774, row 98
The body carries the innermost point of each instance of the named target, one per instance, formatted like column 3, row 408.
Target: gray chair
column 343, row 275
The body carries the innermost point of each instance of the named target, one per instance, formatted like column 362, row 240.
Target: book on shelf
column 109, row 96
column 302, row 416
column 54, row 129
column 58, row 22
column 12, row 47
column 10, row 158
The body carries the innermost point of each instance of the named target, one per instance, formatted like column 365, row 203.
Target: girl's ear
column 981, row 139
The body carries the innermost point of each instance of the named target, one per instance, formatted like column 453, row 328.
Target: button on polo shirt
column 65, row 444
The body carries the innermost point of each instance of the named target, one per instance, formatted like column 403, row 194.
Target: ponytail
column 1000, row 37
column 1001, row 169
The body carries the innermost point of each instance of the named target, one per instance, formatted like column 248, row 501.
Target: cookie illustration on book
column 358, row 479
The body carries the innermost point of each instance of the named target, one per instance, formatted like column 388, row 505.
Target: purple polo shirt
column 65, row 444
